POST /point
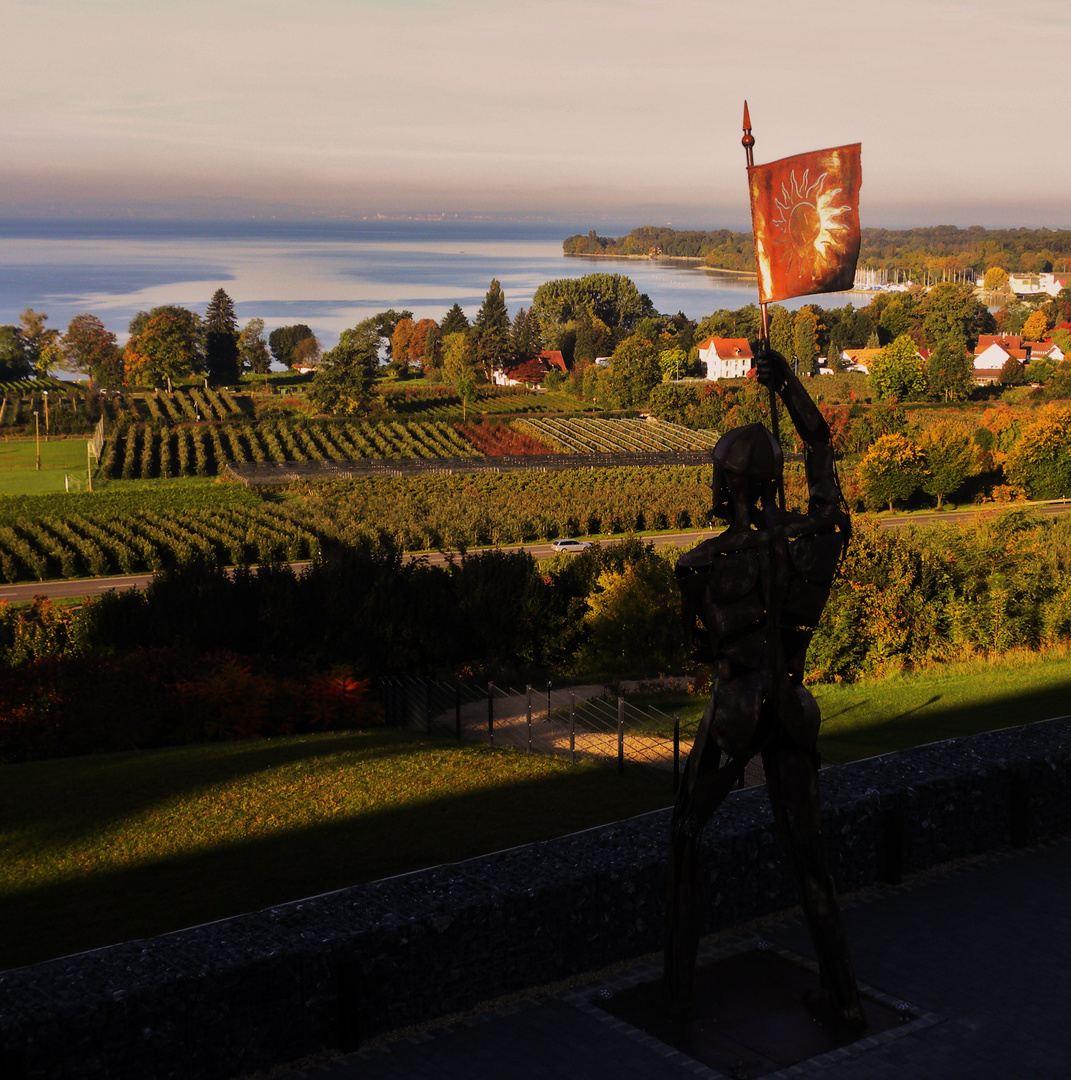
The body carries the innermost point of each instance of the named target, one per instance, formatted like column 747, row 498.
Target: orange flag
column 805, row 213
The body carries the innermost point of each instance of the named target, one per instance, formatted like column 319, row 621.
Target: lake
column 329, row 276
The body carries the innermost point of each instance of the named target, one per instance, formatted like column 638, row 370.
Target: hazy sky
column 587, row 111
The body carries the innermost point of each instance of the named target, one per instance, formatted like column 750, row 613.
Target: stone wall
column 225, row 998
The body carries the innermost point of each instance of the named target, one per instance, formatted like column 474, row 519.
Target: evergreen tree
column 524, row 334
column 492, row 328
column 454, row 321
column 221, row 339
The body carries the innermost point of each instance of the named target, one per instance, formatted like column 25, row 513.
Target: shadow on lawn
column 141, row 900
column 923, row 724
column 95, row 791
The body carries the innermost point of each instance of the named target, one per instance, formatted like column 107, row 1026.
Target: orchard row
column 43, row 540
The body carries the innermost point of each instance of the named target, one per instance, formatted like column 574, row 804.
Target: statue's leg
column 703, row 789
column 792, row 783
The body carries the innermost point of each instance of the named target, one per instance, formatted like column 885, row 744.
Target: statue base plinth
column 749, row 1018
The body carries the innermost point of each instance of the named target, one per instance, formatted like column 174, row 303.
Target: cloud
column 359, row 107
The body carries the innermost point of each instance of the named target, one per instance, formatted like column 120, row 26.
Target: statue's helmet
column 750, row 452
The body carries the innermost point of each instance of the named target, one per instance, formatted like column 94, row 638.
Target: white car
column 565, row 544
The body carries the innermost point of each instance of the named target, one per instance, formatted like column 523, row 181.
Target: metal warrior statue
column 751, row 597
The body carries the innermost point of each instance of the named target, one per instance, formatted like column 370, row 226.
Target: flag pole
column 748, row 143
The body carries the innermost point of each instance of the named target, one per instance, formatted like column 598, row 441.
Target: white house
column 1037, row 284
column 726, row 358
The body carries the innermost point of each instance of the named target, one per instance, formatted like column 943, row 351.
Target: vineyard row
column 139, row 451
column 421, row 513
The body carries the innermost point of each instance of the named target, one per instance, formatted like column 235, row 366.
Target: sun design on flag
column 810, row 224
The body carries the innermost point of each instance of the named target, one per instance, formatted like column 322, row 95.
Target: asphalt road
column 76, row 588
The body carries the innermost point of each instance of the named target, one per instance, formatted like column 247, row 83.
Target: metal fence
column 573, row 721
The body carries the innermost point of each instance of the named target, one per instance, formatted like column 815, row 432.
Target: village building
column 858, row 359
column 726, row 358
column 1026, row 285
column 530, row 371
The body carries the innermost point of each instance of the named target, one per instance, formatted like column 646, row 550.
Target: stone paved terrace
column 981, row 951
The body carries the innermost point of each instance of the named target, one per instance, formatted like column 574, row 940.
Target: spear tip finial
column 748, row 141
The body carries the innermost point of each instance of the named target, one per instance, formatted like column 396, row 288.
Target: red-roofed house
column 532, row 371
column 726, row 358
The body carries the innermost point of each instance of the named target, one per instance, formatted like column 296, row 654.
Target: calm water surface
column 327, row 276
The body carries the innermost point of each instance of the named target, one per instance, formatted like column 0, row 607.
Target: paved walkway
column 982, row 954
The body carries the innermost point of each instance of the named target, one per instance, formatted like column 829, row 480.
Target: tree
column 221, row 339
column 898, row 371
column 347, row 373
column 492, row 329
column 252, row 348
column 613, row 298
column 307, row 352
column 35, row 335
column 524, row 339
column 950, row 371
column 805, row 340
column 13, row 360
column 454, row 321
column 424, row 332
column 159, row 353
column 284, row 339
column 459, row 357
column 949, row 456
column 996, row 278
column 783, row 332
column 890, row 471
column 1039, row 462
column 634, row 372
column 673, row 362
column 383, row 324
column 953, row 309
column 1011, row 374
column 1036, row 326
column 185, row 323
column 401, row 340
column 93, row 350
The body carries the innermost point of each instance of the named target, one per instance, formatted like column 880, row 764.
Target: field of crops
column 444, row 403
column 142, row 451
column 87, row 544
column 61, row 410
column 434, row 511
column 151, row 527
column 591, row 435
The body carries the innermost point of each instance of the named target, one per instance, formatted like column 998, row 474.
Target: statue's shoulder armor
column 724, row 574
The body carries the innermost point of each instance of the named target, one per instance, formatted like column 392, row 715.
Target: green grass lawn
column 19, row 474
column 876, row 716
column 881, row 715
column 105, row 848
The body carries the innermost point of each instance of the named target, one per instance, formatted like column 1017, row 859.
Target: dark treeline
column 934, row 248
column 173, row 663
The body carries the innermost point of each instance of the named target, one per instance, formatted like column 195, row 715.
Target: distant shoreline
column 660, row 258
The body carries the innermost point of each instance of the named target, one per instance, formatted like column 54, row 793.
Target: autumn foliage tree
column 891, row 471
column 1039, row 462
column 159, row 353
column 93, row 350
column 949, row 456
